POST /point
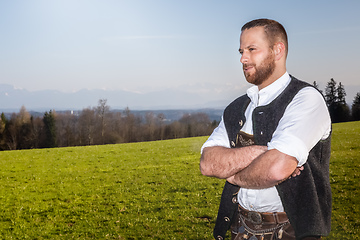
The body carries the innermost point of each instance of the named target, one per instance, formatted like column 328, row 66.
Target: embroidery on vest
column 243, row 139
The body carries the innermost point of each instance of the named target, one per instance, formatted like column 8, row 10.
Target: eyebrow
column 250, row 46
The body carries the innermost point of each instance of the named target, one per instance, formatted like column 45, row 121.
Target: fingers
column 297, row 171
column 231, row 180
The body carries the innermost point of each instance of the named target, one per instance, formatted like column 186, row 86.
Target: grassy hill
column 151, row 190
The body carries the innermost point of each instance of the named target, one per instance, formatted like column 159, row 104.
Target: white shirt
column 306, row 120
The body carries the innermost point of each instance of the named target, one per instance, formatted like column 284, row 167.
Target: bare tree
column 87, row 126
column 161, row 124
column 150, row 126
column 101, row 111
column 115, row 128
column 12, row 132
column 66, row 126
column 197, row 124
column 3, row 121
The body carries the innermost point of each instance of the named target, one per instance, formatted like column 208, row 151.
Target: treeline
column 335, row 100
column 96, row 126
column 99, row 125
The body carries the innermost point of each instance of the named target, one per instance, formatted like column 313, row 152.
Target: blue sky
column 143, row 45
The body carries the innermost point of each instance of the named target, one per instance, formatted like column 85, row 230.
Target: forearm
column 268, row 170
column 224, row 162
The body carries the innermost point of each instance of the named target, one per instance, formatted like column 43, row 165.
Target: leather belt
column 263, row 217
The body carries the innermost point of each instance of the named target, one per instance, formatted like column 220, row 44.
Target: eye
column 251, row 49
column 241, row 51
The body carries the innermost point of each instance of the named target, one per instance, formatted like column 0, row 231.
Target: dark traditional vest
column 307, row 197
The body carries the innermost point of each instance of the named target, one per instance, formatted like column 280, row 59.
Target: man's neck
column 275, row 76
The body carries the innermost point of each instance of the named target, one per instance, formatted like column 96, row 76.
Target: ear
column 279, row 50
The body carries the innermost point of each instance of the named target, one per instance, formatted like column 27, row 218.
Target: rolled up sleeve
column 218, row 137
column 296, row 149
column 305, row 122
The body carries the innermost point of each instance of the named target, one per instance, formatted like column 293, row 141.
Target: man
column 272, row 146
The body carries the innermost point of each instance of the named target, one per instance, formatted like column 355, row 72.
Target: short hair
column 273, row 29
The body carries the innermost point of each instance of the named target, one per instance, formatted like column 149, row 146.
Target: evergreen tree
column 341, row 112
column 341, row 94
column 330, row 92
column 355, row 108
column 50, row 130
column 335, row 100
column 316, row 85
column 343, row 109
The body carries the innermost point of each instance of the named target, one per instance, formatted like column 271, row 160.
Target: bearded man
column 272, row 146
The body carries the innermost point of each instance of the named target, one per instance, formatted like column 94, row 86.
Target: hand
column 297, row 171
column 231, row 180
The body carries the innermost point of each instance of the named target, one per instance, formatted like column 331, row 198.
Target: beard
column 262, row 72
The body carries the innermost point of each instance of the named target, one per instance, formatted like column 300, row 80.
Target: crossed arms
column 252, row 167
column 305, row 121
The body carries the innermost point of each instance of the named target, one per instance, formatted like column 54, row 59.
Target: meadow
column 149, row 190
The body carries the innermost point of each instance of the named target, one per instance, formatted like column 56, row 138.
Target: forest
column 96, row 126
column 99, row 125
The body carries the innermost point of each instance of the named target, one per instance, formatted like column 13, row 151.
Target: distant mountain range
column 11, row 100
column 174, row 101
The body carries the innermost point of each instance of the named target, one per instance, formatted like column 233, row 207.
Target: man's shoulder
column 303, row 86
column 236, row 109
column 300, row 83
column 294, row 87
column 238, row 103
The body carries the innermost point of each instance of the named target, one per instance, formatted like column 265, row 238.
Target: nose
column 244, row 58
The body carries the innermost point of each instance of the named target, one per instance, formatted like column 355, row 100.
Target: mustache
column 245, row 65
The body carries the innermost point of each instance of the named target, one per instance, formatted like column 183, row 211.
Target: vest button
column 233, row 144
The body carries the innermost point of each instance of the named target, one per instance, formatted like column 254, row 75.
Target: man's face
column 257, row 56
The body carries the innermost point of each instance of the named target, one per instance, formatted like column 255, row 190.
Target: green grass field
column 151, row 190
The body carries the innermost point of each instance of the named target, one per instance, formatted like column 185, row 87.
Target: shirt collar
column 269, row 93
